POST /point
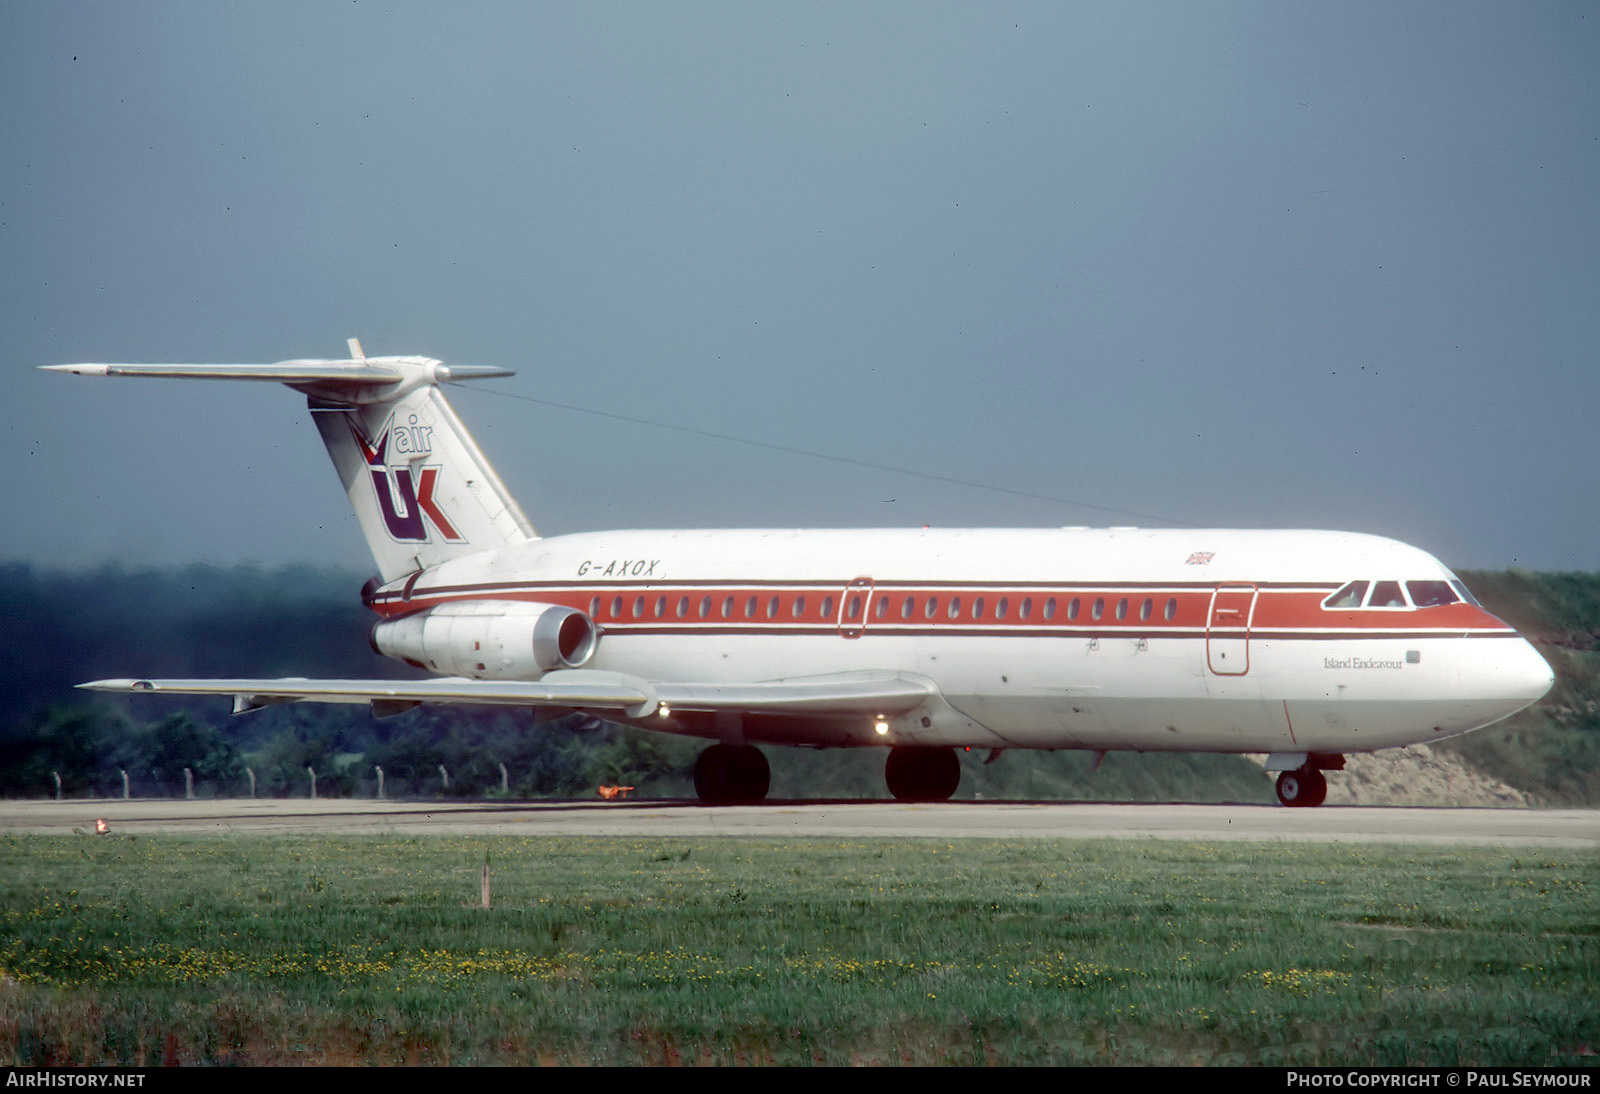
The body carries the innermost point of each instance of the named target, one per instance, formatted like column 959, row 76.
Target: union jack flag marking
column 1200, row 558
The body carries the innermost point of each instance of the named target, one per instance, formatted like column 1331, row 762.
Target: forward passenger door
column 1228, row 622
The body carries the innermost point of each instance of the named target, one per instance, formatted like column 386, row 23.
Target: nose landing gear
column 1304, row 786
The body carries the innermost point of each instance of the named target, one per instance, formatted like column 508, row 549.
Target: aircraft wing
column 875, row 693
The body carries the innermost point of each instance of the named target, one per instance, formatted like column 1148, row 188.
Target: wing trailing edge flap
column 579, row 689
column 839, row 693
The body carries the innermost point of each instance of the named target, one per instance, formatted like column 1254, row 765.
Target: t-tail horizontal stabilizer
column 421, row 487
column 302, row 375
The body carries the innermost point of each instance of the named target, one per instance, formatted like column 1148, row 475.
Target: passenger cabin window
column 1431, row 594
column 1350, row 596
column 1387, row 594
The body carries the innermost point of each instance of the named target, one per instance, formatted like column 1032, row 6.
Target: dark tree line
column 91, row 748
column 66, row 628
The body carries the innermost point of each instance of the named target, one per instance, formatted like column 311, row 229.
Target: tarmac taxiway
column 1576, row 828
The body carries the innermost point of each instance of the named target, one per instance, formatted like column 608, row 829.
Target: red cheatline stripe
column 1275, row 611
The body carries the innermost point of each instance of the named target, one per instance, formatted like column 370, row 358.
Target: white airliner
column 1304, row 645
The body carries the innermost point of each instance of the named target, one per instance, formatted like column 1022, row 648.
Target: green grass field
column 232, row 949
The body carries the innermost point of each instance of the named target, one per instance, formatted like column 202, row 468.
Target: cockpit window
column 1431, row 594
column 1387, row 594
column 1466, row 593
column 1348, row 597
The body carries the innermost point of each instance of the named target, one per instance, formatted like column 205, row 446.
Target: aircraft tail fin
column 421, row 487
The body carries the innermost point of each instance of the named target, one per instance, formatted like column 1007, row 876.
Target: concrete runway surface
column 1577, row 828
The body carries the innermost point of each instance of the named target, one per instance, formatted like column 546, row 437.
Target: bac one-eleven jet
column 1303, row 645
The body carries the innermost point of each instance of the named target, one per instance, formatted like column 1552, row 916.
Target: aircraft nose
column 1501, row 676
column 1525, row 675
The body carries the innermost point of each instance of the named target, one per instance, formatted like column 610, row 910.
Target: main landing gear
column 922, row 774
column 739, row 774
column 1303, row 786
column 731, row 774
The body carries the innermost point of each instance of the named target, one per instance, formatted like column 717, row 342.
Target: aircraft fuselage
column 1189, row 640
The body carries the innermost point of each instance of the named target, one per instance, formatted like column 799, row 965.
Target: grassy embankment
column 254, row 950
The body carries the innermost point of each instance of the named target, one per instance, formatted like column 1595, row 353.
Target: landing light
column 882, row 727
column 664, row 711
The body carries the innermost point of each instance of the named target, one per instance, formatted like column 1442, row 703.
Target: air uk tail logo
column 408, row 504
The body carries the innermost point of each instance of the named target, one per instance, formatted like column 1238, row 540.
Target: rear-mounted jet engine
column 489, row 639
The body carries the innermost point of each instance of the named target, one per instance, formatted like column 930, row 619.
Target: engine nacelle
column 489, row 639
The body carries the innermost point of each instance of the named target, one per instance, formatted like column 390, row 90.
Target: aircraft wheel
column 1302, row 787
column 726, row 774
column 922, row 774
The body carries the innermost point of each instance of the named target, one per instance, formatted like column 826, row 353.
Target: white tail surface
column 420, row 485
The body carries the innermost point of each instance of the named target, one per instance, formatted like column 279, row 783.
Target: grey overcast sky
column 1327, row 265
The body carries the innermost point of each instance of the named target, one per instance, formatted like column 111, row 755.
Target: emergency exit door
column 853, row 607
